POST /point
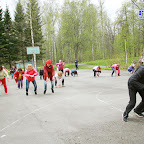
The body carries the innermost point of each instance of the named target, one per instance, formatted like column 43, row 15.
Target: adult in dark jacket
column 76, row 63
column 49, row 73
column 135, row 84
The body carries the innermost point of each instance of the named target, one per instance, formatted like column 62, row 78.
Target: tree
column 10, row 41
column 2, row 37
column 19, row 25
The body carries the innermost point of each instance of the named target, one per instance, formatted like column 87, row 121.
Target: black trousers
column 56, row 82
column 132, row 94
column 76, row 67
column 95, row 72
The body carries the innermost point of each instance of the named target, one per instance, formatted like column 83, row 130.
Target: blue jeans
column 12, row 75
column 34, row 83
column 45, row 85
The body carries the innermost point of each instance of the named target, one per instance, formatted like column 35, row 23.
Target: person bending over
column 135, row 85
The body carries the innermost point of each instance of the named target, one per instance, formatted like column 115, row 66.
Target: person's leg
column 12, row 75
column 113, row 70
column 19, row 81
column 27, row 86
column 55, row 81
column 4, row 84
column 45, row 86
column 71, row 73
column 132, row 102
column 76, row 66
column 94, row 73
column 140, row 107
column 52, row 86
column 35, row 86
column 63, row 82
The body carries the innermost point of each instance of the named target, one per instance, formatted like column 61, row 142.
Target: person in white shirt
column 59, row 79
column 97, row 71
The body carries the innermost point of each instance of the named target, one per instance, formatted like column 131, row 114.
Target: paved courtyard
column 87, row 110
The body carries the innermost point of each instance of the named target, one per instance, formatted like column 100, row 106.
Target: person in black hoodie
column 135, row 85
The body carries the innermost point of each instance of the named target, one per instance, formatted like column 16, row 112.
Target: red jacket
column 31, row 72
column 16, row 75
column 49, row 72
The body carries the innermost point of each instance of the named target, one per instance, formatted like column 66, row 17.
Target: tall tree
column 19, row 25
column 10, row 48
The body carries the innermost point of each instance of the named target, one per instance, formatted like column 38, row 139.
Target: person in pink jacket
column 115, row 68
column 67, row 71
column 30, row 74
column 60, row 65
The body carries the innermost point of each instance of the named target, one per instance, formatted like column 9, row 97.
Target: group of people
column 135, row 82
column 47, row 73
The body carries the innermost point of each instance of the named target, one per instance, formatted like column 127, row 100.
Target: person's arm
column 118, row 70
column 45, row 72
column 6, row 73
column 15, row 75
column 53, row 72
column 133, row 69
column 26, row 73
column 35, row 72
column 115, row 69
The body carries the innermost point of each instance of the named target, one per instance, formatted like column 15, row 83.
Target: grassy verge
column 110, row 62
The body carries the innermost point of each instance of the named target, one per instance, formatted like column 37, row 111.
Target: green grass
column 110, row 62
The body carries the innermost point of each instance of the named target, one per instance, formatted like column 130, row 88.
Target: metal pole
column 126, row 50
column 32, row 37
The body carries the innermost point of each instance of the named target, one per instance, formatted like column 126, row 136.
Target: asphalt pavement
column 87, row 110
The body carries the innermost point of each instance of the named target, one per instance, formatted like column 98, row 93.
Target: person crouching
column 59, row 80
column 97, row 71
column 67, row 72
column 30, row 74
column 18, row 76
column 49, row 73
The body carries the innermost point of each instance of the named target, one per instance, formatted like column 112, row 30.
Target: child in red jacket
column 49, row 73
column 30, row 74
column 18, row 76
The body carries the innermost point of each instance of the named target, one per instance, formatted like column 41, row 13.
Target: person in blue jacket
column 76, row 63
column 74, row 72
column 131, row 68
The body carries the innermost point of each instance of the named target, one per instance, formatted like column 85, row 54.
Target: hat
column 48, row 61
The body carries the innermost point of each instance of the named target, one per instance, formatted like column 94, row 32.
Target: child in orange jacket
column 18, row 76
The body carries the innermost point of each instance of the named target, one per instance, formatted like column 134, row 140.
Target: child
column 59, row 80
column 115, row 67
column 74, row 72
column 60, row 66
column 3, row 75
column 67, row 71
column 49, row 73
column 12, row 71
column 30, row 74
column 97, row 71
column 41, row 73
column 131, row 68
column 18, row 76
column 135, row 85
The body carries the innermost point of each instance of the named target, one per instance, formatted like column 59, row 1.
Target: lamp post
column 125, row 49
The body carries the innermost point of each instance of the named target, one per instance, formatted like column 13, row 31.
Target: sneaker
column 26, row 93
column 139, row 115
column 35, row 93
column 52, row 90
column 44, row 91
column 124, row 118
